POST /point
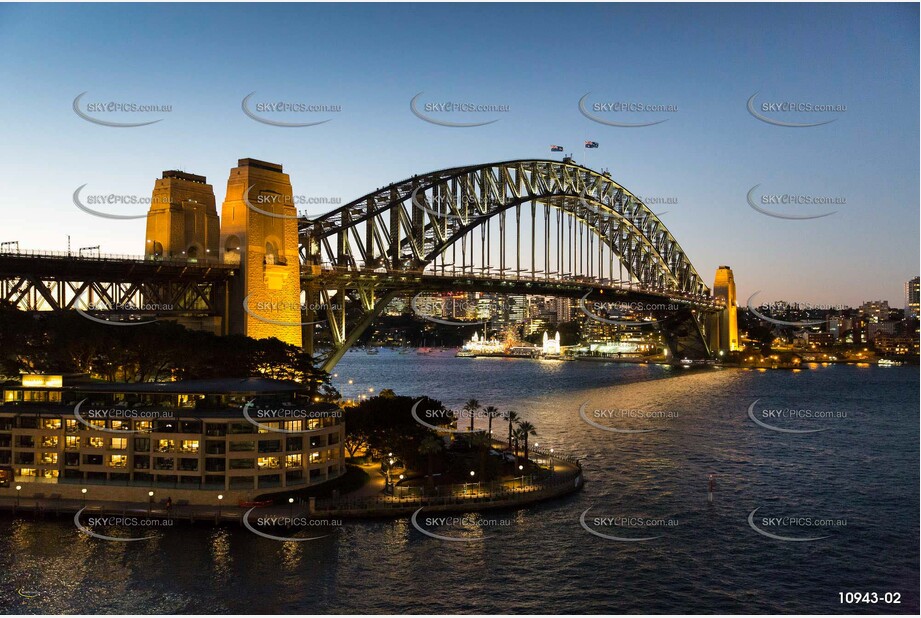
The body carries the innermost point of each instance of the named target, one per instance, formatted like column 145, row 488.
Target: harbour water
column 858, row 475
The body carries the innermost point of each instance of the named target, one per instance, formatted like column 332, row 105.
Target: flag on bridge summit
column 556, row 149
column 591, row 144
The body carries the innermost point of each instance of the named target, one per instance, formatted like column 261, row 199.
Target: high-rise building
column 913, row 298
column 875, row 310
column 563, row 310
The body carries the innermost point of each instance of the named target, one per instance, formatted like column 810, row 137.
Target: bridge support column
column 684, row 336
column 259, row 232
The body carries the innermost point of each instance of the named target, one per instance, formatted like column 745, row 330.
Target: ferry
column 885, row 362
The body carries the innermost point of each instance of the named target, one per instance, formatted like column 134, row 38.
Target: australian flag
column 591, row 144
column 556, row 149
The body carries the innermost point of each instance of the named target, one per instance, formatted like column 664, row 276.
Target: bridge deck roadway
column 71, row 267
column 596, row 290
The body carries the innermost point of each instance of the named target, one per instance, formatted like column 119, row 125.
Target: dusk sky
column 706, row 61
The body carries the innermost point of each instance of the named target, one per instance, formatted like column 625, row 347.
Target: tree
column 388, row 424
column 512, row 417
column 429, row 447
column 491, row 413
column 470, row 408
column 518, row 437
column 526, row 429
column 481, row 441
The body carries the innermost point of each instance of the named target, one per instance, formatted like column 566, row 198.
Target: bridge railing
column 102, row 257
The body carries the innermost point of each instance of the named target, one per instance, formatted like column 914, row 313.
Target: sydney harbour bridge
column 543, row 227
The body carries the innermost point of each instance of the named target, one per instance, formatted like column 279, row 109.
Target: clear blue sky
column 537, row 59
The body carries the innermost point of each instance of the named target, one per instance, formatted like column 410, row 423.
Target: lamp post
column 291, row 502
column 18, row 489
column 551, row 461
column 219, row 498
column 472, row 475
column 83, row 491
column 401, row 489
column 389, row 471
column 150, row 496
column 521, row 469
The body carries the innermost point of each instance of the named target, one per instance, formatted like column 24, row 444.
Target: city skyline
column 701, row 163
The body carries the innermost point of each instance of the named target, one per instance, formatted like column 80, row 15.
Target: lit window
column 189, row 446
column 268, row 463
column 294, row 461
column 119, row 444
column 165, row 446
column 118, row 461
column 95, row 442
column 72, row 442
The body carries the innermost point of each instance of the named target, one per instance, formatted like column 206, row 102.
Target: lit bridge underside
column 536, row 227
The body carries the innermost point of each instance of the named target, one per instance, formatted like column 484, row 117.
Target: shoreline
column 567, row 478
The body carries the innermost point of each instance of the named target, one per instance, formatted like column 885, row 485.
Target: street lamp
column 521, row 469
column 401, row 489
column 18, row 489
column 473, row 474
column 219, row 498
column 150, row 495
column 551, row 461
column 83, row 491
column 291, row 502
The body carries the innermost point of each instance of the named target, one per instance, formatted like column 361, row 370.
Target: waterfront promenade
column 368, row 501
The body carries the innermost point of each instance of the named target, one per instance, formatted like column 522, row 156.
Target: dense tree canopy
column 66, row 342
column 386, row 424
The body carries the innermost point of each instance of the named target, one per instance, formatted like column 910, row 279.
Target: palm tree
column 526, row 429
column 518, row 438
column 491, row 413
column 470, row 408
column 430, row 447
column 482, row 442
column 512, row 417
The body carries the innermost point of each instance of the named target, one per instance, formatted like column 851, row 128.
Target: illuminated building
column 913, row 298
column 875, row 310
column 551, row 346
column 189, row 439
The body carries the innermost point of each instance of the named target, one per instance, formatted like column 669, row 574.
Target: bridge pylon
column 259, row 232
column 182, row 221
column 724, row 324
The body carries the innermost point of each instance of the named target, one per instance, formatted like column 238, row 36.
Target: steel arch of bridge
column 407, row 225
column 383, row 243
